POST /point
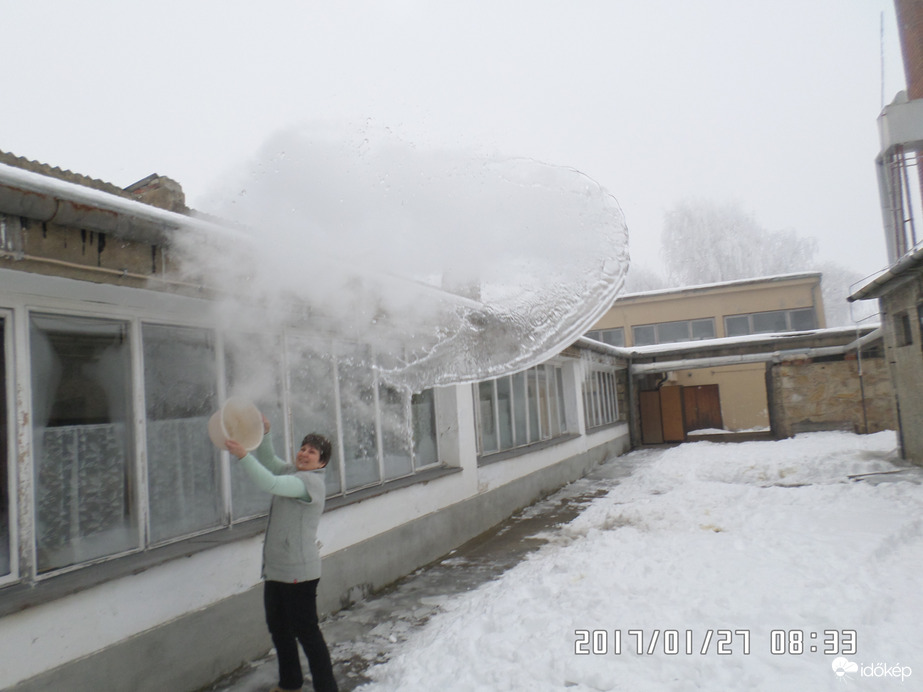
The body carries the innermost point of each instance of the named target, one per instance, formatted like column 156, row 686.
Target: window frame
column 600, row 392
column 545, row 415
column 789, row 314
column 656, row 329
column 7, row 343
column 137, row 309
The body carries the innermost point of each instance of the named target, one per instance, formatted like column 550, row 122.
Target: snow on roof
column 722, row 284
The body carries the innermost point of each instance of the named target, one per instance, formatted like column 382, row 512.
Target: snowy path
column 759, row 549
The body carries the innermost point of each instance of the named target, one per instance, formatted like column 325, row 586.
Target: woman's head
column 321, row 444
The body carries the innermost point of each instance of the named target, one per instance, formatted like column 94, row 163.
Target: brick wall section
column 910, row 28
column 808, row 395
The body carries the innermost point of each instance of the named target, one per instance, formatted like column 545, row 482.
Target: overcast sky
column 769, row 104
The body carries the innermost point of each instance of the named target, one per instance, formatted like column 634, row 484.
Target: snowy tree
column 704, row 242
column 641, row 278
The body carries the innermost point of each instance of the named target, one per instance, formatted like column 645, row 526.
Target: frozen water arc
column 453, row 267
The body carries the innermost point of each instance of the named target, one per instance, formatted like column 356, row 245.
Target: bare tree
column 704, row 242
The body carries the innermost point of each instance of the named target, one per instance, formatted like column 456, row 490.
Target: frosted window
column 4, row 462
column 533, row 406
column 396, row 431
column 425, row 449
column 253, row 371
column 313, row 401
column 81, row 403
column 357, row 410
column 182, row 464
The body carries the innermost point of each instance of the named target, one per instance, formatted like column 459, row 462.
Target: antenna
column 881, row 44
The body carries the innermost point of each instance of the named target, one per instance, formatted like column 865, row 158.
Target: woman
column 291, row 559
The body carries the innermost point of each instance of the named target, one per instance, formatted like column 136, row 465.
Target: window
column 5, row 489
column 104, row 388
column 903, row 333
column 383, row 432
column 85, row 507
column 601, row 396
column 520, row 409
column 672, row 332
column 253, row 369
column 644, row 335
column 423, row 411
column 770, row 321
column 763, row 322
column 180, row 395
column 613, row 337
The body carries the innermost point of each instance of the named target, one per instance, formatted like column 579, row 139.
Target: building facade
column 730, row 396
column 899, row 288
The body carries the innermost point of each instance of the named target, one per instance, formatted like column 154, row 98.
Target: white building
column 129, row 547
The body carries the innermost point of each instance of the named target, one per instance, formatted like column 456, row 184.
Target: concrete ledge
column 195, row 650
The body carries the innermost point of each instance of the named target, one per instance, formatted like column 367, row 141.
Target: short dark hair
column 321, row 444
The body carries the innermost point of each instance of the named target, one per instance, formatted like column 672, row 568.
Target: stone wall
column 808, row 395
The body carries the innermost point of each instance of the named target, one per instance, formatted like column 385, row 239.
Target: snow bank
column 754, row 545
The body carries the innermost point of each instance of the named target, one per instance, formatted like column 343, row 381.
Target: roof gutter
column 50, row 200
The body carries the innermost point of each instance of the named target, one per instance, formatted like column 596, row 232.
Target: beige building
column 729, row 397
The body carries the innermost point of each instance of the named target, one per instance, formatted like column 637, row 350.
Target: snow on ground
column 701, row 539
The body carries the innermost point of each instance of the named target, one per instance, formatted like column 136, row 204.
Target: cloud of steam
column 452, row 267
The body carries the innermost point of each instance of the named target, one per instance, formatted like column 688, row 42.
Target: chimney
column 910, row 29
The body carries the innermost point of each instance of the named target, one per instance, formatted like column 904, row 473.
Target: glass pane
column 533, row 406
column 596, row 394
column 396, row 432
column 486, row 417
column 643, row 335
column 614, row 337
column 703, row 329
column 253, row 368
column 519, row 409
column 357, row 408
column 425, row 450
column 542, row 385
column 738, row 325
column 5, row 466
column 183, row 468
column 81, row 404
column 313, row 403
column 671, row 332
column 769, row 322
column 561, row 417
column 802, row 320
column 4, row 462
column 505, row 409
column 554, row 419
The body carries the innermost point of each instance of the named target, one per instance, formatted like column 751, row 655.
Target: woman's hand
column 235, row 448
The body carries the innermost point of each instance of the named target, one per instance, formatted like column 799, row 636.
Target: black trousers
column 291, row 615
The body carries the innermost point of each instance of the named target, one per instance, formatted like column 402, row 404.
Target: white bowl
column 239, row 420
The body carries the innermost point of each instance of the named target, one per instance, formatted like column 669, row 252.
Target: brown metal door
column 671, row 412
column 702, row 407
column 651, row 429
